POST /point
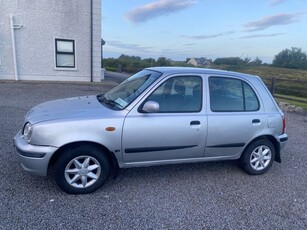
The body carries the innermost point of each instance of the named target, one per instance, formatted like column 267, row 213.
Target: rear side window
column 231, row 95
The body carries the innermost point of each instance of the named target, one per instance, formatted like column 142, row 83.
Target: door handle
column 195, row 123
column 255, row 121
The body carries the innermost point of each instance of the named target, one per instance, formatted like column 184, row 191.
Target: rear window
column 231, row 95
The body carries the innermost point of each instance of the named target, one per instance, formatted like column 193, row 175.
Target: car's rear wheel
column 258, row 157
column 81, row 169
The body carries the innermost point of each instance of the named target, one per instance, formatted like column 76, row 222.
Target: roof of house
column 201, row 60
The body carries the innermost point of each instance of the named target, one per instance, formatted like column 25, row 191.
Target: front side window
column 231, row 95
column 179, row 94
column 65, row 53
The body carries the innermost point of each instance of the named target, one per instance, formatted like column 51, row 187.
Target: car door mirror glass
column 151, row 107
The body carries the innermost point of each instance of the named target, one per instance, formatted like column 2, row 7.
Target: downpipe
column 13, row 27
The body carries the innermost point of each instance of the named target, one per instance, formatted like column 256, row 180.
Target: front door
column 176, row 131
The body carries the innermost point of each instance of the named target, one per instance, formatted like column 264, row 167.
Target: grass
column 268, row 71
column 292, row 100
column 291, row 82
column 300, row 104
column 293, row 92
column 111, row 69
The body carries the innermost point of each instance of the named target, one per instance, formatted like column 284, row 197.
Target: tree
column 256, row 62
column 229, row 61
column 247, row 60
column 293, row 59
column 127, row 57
column 149, row 62
column 162, row 61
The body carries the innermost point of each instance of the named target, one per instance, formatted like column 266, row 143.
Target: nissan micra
column 161, row 115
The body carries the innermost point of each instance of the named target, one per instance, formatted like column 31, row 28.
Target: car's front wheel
column 81, row 169
column 258, row 157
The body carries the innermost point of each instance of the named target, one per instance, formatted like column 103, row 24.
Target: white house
column 54, row 40
column 203, row 62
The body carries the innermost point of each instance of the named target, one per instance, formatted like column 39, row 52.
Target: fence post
column 273, row 86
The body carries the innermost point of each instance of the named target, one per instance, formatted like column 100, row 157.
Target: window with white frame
column 65, row 53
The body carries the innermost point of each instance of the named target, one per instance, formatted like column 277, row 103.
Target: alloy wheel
column 82, row 171
column 260, row 157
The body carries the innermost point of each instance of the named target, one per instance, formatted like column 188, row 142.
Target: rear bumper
column 34, row 159
column 282, row 139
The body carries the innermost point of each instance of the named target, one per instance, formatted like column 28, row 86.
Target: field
column 269, row 72
column 290, row 84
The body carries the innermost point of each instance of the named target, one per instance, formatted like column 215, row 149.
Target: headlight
column 27, row 132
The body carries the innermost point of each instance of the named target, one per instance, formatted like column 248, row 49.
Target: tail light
column 283, row 124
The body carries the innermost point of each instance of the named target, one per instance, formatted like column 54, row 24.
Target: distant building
column 202, row 62
column 54, row 40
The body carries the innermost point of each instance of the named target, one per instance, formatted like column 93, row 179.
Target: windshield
column 122, row 95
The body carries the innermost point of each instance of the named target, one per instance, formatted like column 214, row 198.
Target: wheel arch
column 275, row 143
column 112, row 159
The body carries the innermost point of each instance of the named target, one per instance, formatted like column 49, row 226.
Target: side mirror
column 151, row 107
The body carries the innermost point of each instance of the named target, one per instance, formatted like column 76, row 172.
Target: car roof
column 191, row 70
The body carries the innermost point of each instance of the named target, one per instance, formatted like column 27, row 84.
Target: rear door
column 176, row 131
column 234, row 117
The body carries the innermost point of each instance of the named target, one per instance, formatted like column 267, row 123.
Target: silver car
column 161, row 115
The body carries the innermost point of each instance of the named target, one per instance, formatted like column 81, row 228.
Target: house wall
column 192, row 61
column 43, row 21
column 97, row 40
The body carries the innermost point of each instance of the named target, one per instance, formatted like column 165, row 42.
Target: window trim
column 242, row 81
column 168, row 78
column 258, row 108
column 56, row 52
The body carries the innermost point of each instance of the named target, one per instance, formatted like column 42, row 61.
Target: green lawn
column 292, row 92
column 268, row 71
column 302, row 102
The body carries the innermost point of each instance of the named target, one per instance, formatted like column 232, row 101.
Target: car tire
column 258, row 157
column 81, row 169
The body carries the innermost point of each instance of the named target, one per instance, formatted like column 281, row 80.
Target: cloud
column 273, row 20
column 276, row 2
column 188, row 44
column 262, row 35
column 134, row 47
column 156, row 9
column 209, row 36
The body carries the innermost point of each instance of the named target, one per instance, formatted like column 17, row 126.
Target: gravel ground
column 216, row 195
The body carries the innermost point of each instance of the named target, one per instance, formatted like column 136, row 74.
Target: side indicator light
column 110, row 129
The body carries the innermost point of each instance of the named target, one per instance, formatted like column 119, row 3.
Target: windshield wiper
column 103, row 99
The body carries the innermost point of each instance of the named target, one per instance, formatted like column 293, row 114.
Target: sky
column 180, row 29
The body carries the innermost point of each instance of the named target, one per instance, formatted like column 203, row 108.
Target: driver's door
column 176, row 131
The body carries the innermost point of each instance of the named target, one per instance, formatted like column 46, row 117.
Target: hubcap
column 261, row 157
column 82, row 171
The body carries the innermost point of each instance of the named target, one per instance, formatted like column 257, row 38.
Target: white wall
column 43, row 21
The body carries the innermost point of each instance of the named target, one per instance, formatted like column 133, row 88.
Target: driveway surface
column 216, row 195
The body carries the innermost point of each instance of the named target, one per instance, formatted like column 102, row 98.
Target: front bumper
column 34, row 159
